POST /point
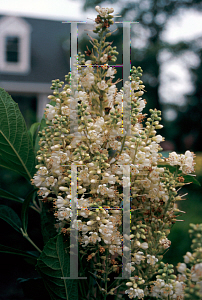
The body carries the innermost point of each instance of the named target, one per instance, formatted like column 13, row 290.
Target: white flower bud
column 97, row 8
column 129, row 283
column 110, row 10
column 90, row 223
column 144, row 246
column 63, row 188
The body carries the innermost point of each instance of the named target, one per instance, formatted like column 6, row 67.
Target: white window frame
column 16, row 27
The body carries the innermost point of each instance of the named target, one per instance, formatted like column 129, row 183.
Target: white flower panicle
column 99, row 149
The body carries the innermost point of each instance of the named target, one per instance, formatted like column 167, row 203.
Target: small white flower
column 38, row 180
column 112, row 89
column 129, row 268
column 131, row 293
column 61, row 202
column 196, row 272
column 94, row 237
column 165, row 243
column 103, row 12
column 151, row 259
column 138, row 257
column 102, row 189
column 50, row 111
column 50, row 181
column 181, row 267
column 42, row 171
column 87, row 80
column 103, row 59
column 43, row 192
column 173, row 158
column 179, row 288
column 110, row 72
column 167, row 290
column 142, row 105
column 63, row 213
column 187, row 257
column 158, row 138
column 156, row 288
column 144, row 246
column 102, row 85
column 134, row 169
column 65, row 110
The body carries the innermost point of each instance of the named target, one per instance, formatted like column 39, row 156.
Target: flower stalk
column 99, row 153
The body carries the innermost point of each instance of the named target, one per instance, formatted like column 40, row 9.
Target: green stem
column 135, row 153
column 36, row 209
column 25, row 234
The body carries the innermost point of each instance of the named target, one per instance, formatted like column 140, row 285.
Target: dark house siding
column 49, row 60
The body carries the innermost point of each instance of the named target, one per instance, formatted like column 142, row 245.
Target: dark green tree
column 191, row 118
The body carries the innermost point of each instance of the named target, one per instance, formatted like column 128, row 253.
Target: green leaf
column 9, row 215
column 187, row 178
column 165, row 153
column 25, row 208
column 8, row 195
column 47, row 223
column 53, row 264
column 172, row 169
column 190, row 178
column 10, row 250
column 16, row 152
column 34, row 128
column 32, row 132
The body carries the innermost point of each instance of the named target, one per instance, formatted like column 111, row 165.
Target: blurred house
column 32, row 53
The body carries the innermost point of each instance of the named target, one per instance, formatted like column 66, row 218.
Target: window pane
column 12, row 48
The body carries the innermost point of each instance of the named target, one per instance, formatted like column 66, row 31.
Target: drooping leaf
column 190, row 178
column 32, row 132
column 10, row 250
column 165, row 153
column 25, row 208
column 47, row 223
column 34, row 128
column 10, row 196
column 187, row 177
column 16, row 152
column 172, row 169
column 54, row 265
column 9, row 215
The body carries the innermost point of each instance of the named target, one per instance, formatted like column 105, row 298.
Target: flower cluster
column 185, row 162
column 99, row 149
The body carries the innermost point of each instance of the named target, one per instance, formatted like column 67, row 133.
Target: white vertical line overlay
column 126, row 51
column 126, row 74
column 73, row 227
column 126, row 259
column 74, row 231
column 74, row 79
column 73, row 82
column 73, row 51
